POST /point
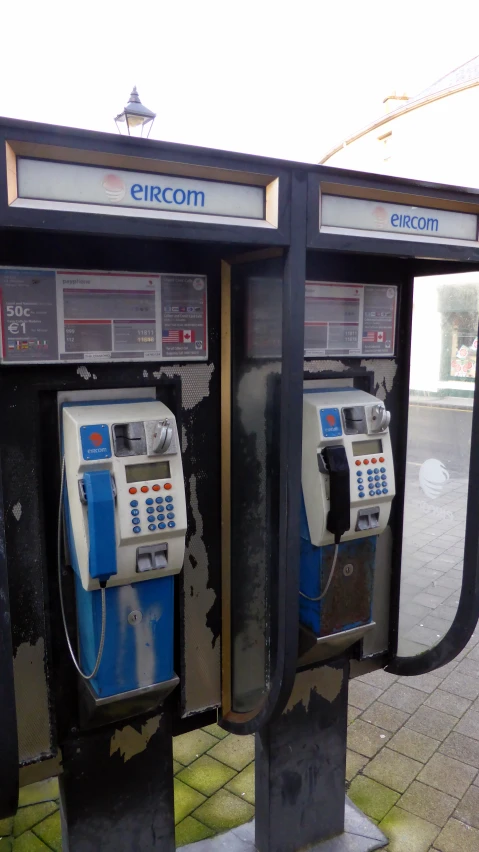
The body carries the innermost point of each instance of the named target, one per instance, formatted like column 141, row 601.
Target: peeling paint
column 129, row 742
column 145, row 374
column 325, row 681
column 31, row 698
column 195, row 382
column 384, row 374
column 17, row 511
column 197, row 633
column 84, row 373
column 324, row 366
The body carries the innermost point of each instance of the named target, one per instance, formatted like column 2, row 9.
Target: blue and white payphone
column 125, row 515
column 348, row 486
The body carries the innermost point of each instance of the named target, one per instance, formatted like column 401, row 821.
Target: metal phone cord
column 60, row 588
column 331, row 575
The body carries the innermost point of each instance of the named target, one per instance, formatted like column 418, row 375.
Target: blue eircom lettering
column 167, row 195
column 415, row 223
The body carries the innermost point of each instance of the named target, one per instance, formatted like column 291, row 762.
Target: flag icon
column 178, row 335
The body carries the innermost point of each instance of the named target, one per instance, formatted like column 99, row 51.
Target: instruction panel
column 54, row 315
column 349, row 319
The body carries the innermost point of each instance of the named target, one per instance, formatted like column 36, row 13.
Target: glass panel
column 256, row 368
column 442, row 378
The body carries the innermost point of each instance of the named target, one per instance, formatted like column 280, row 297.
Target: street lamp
column 136, row 116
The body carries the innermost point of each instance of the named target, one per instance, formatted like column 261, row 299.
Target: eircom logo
column 114, row 188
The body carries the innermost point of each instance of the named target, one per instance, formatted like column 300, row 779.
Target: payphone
column 348, row 486
column 123, row 499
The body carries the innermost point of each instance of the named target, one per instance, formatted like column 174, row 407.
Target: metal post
column 116, row 791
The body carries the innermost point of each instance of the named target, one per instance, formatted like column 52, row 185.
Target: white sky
column 281, row 79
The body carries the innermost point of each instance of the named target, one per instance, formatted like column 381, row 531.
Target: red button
column 331, row 420
column 358, row 462
column 374, row 461
column 381, row 459
column 132, row 490
column 144, row 488
column 366, row 461
column 167, row 486
column 156, row 487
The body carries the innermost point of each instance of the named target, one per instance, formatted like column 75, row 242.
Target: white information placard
column 52, row 315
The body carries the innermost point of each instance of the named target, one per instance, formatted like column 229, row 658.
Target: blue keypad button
column 135, row 520
column 159, row 500
column 133, row 502
column 376, row 470
column 150, row 519
column 360, row 480
column 378, row 491
column 385, row 491
column 149, row 501
column 376, row 478
column 360, row 487
column 135, row 512
column 152, row 527
column 362, row 494
column 170, row 515
column 358, row 473
column 169, row 499
column 383, row 476
column 162, row 526
column 371, row 493
column 171, row 508
column 383, row 470
column 136, row 529
column 369, row 471
column 370, row 479
column 161, row 517
column 171, row 524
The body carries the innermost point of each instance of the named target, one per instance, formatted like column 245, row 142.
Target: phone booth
column 214, row 477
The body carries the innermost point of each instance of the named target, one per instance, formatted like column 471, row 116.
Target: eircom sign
column 378, row 216
column 57, row 182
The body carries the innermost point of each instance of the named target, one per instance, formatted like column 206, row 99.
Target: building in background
column 431, row 136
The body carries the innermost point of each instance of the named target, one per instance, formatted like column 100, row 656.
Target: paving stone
column 216, row 731
column 41, row 791
column 461, row 748
column 366, row 739
column 413, row 744
column 454, row 705
column 379, row 678
column 186, row 800
column 374, row 799
column 468, row 667
column 468, row 808
column 407, row 832
column 30, row 815
column 235, row 751
column 243, row 784
column 469, row 724
column 190, row 830
column 473, row 654
column 206, row 775
column 6, row 844
column 425, row 682
column 385, row 716
column 354, row 763
column 362, row 694
column 443, row 671
column 428, row 600
column 428, row 803
column 177, row 767
column 403, row 697
column 433, row 723
column 50, row 831
column 6, row 826
column 461, row 684
column 447, row 774
column 28, row 842
column 393, row 769
column 456, row 836
column 188, row 747
column 224, row 811
column 353, row 713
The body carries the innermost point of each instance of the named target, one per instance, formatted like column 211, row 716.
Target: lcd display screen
column 366, row 448
column 145, row 472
